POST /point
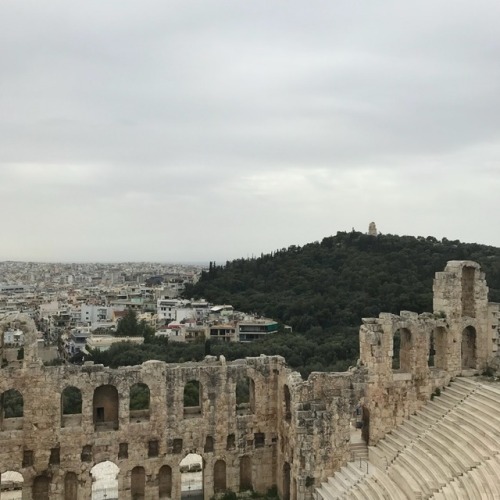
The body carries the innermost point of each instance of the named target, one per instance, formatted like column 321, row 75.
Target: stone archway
column 191, row 467
column 469, row 348
column 11, row 485
column 105, row 481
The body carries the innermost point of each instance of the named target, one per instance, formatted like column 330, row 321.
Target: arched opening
column 71, row 407
column 220, row 476
column 191, row 468
column 12, row 410
column 245, row 396
column 11, row 485
column 402, row 350
column 138, row 483
column 105, row 408
column 246, row 473
column 438, row 348
column 286, row 481
column 70, row 486
column 469, row 348
column 288, row 411
column 105, row 481
column 41, row 486
column 365, row 425
column 139, row 403
column 192, row 399
column 165, row 482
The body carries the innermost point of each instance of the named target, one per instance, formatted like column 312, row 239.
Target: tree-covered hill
column 333, row 284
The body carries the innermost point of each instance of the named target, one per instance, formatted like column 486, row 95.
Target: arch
column 191, row 467
column 139, row 401
column 165, row 482
column 11, row 482
column 105, row 408
column 469, row 360
column 286, row 481
column 220, row 476
column 138, row 483
column 402, row 350
column 11, row 410
column 70, row 486
column 193, row 399
column 71, row 406
column 287, row 398
column 438, row 348
column 246, row 473
column 245, row 396
column 41, row 486
column 105, row 481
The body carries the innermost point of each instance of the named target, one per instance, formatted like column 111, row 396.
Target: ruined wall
column 292, row 433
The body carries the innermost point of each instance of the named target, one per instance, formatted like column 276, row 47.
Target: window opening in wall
column 402, row 350
column 54, row 458
column 139, row 403
column 41, row 486
column 259, row 439
column 153, row 448
column 123, row 450
column 191, row 468
column 209, row 444
column 86, row 455
column 12, row 410
column 469, row 348
column 71, row 407
column 27, row 458
column 220, row 476
column 138, row 483
column 177, row 445
column 245, row 396
column 192, row 399
column 468, row 309
column 105, row 481
column 246, row 473
column 231, row 442
column 165, row 482
column 11, row 485
column 105, row 408
column 288, row 411
column 70, row 486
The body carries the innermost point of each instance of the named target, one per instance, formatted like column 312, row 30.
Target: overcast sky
column 211, row 130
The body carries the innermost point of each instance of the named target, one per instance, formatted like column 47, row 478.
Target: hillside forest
column 321, row 290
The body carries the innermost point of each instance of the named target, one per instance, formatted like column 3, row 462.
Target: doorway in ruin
column 105, row 408
column 11, row 485
column 365, row 425
column 286, row 481
column 469, row 360
column 105, row 481
column 246, row 473
column 220, row 476
column 438, row 348
column 41, row 486
column 191, row 468
column 165, row 482
column 401, row 349
column 138, row 483
column 70, row 486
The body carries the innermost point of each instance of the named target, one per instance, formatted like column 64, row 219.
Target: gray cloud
column 198, row 130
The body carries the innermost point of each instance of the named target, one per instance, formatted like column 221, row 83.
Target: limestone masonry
column 291, row 434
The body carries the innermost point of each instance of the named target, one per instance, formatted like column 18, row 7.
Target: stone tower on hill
column 372, row 229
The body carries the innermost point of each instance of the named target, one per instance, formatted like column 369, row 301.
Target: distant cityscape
column 78, row 306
